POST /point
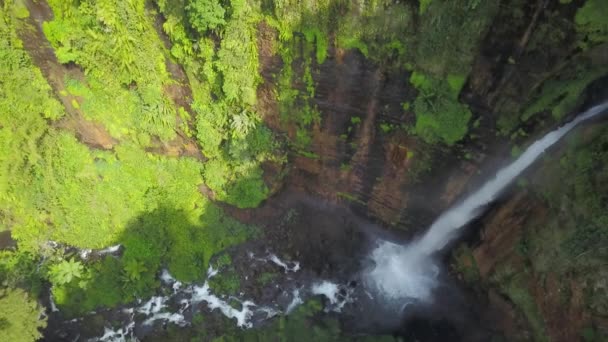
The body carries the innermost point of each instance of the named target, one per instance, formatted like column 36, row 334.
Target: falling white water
column 409, row 272
column 52, row 302
column 402, row 272
column 109, row 250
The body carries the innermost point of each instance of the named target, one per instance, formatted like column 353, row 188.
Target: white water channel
column 408, row 273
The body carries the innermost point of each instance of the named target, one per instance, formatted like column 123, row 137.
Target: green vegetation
column 176, row 85
column 64, row 272
column 20, row 270
column 465, row 264
column 558, row 92
column 266, row 278
column 124, row 63
column 224, row 77
column 164, row 237
column 560, row 96
column 439, row 115
column 448, row 35
column 577, row 237
column 20, row 317
column 591, row 22
column 514, row 286
column 443, row 52
column 57, row 188
column 206, row 14
column 227, row 282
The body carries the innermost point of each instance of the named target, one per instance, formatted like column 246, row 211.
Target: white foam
column 295, row 265
column 327, row 289
column 175, row 318
column 295, row 301
column 52, row 302
column 402, row 272
column 211, row 272
column 109, row 250
column 275, row 259
column 118, row 335
column 202, row 294
column 153, row 305
column 337, row 295
column 168, row 279
column 85, row 253
column 270, row 312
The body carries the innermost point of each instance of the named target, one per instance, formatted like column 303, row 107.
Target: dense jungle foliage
column 154, row 77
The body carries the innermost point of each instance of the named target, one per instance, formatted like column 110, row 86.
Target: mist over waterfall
column 409, row 272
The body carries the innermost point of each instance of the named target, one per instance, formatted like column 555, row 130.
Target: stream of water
column 408, row 273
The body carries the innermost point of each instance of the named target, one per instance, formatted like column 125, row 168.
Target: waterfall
column 410, row 271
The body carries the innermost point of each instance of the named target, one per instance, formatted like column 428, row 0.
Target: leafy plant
column 439, row 115
column 133, row 269
column 64, row 272
column 21, row 318
column 205, row 15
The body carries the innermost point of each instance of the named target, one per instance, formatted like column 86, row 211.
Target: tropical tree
column 66, row 271
column 133, row 270
column 20, row 317
column 206, row 15
column 242, row 123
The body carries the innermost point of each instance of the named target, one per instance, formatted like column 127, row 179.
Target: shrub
column 20, row 318
column 206, row 15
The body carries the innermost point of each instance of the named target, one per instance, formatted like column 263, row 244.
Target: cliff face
column 533, row 66
column 367, row 148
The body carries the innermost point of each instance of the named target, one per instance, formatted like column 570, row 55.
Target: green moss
column 466, row 265
column 456, row 82
column 356, row 44
column 560, row 96
column 226, row 282
column 350, row 197
column 448, row 35
column 376, row 29
column 421, row 82
column 591, row 22
column 516, row 151
column 424, row 4
column 319, row 38
column 20, row 11
column 522, row 298
column 386, row 127
column 266, row 278
column 439, row 115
